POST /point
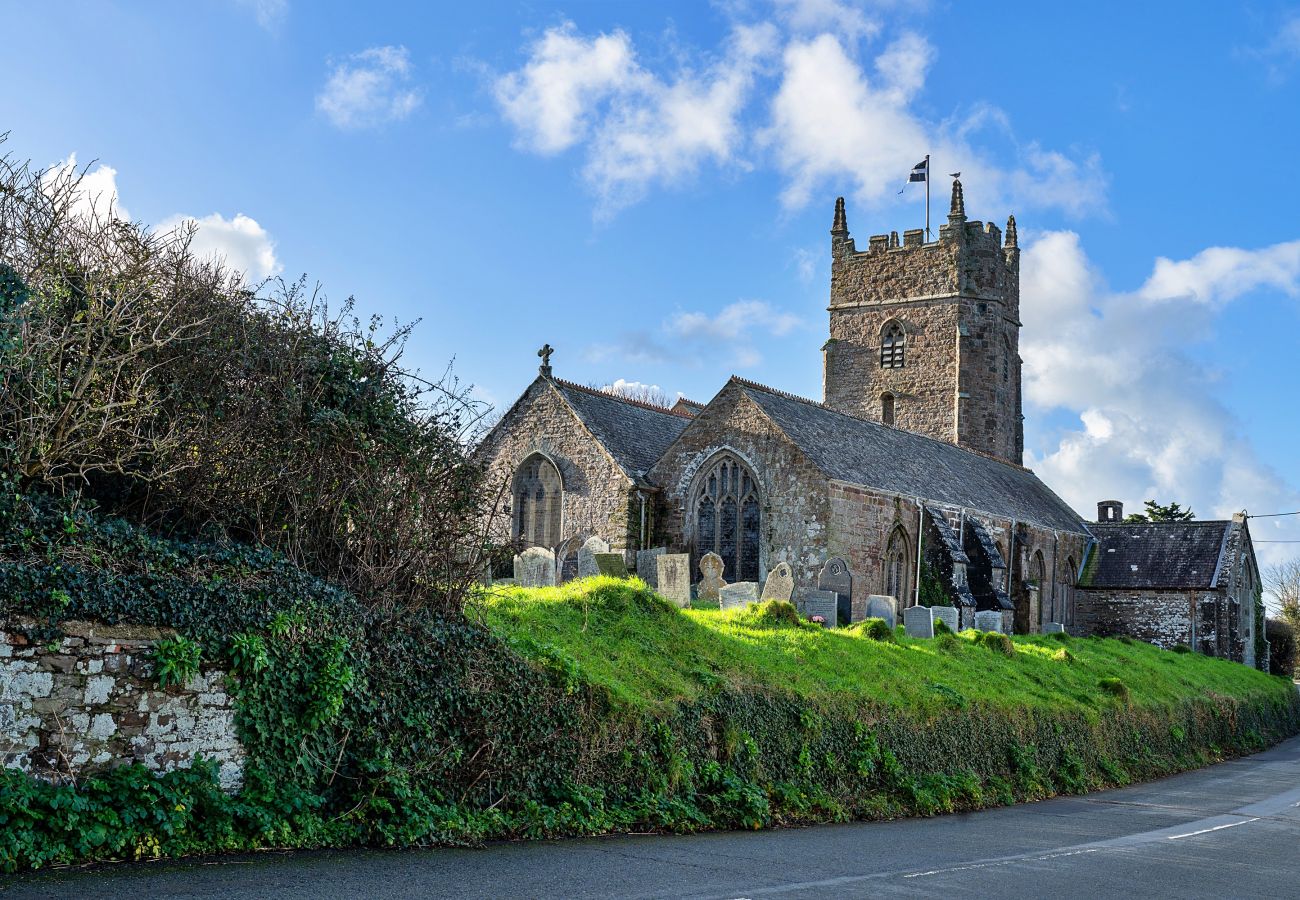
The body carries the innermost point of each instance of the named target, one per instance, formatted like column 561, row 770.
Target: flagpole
column 927, row 196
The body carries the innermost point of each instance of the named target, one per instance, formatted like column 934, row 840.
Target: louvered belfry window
column 892, row 346
column 539, row 502
column 728, row 518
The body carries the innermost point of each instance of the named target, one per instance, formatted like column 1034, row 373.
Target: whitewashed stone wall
column 90, row 701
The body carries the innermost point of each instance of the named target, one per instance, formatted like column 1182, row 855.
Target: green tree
column 1157, row 512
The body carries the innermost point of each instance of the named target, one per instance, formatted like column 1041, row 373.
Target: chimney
column 1110, row 511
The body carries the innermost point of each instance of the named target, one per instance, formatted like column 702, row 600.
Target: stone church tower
column 926, row 336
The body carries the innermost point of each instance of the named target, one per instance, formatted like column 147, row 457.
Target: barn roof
column 636, row 434
column 878, row 456
column 1157, row 555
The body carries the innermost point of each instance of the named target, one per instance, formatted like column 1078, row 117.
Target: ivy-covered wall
column 90, row 701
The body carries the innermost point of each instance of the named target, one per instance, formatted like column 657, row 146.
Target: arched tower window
column 893, row 346
column 539, row 502
column 728, row 517
column 887, row 408
column 898, row 567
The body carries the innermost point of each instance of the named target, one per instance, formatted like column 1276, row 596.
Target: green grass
column 650, row 656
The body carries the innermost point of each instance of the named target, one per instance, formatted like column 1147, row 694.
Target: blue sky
column 649, row 187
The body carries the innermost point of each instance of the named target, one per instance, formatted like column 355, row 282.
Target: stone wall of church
column 599, row 498
column 793, row 491
column 924, row 389
column 1163, row 618
column 861, row 524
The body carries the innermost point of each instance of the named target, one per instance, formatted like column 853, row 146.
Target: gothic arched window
column 887, row 408
column 892, row 346
column 728, row 517
column 898, row 567
column 539, row 502
column 1038, row 579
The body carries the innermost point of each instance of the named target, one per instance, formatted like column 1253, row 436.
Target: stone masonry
column 90, row 702
column 958, row 302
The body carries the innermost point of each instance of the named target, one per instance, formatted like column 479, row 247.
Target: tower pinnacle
column 840, row 227
column 1011, row 240
column 957, row 210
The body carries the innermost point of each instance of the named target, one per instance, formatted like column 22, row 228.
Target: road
column 1231, row 830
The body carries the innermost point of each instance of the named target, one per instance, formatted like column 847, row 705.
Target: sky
column 649, row 187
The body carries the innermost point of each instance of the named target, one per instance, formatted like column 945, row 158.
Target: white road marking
column 1174, row 837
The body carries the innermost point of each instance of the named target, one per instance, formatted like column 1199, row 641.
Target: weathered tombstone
column 1053, row 628
column 535, row 567
column 918, row 621
column 646, row 569
column 989, row 620
column 611, row 564
column 742, row 593
column 819, row 603
column 949, row 616
column 587, row 556
column 711, row 583
column 835, row 576
column 566, row 559
column 779, row 584
column 673, row 578
column 881, row 606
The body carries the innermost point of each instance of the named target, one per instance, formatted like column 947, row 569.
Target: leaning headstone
column 742, row 593
column 835, row 576
column 587, row 556
column 881, row 606
column 779, row 584
column 1053, row 628
column 611, row 564
column 673, row 577
column 918, row 621
column 948, row 615
column 535, row 567
column 819, row 603
column 646, row 569
column 711, row 582
column 566, row 559
column 989, row 620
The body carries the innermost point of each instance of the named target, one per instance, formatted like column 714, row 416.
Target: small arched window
column 892, row 346
column 1006, row 360
column 539, row 502
column 887, row 408
column 897, row 567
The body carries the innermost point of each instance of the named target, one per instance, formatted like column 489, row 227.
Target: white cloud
column 1149, row 423
column 241, row 243
column 369, row 89
column 640, row 128
column 270, row 13
column 832, row 122
column 91, row 193
column 735, row 328
column 815, row 16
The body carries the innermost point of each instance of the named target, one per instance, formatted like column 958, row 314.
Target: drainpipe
column 1056, row 562
column 641, row 495
column 1011, row 554
column 920, row 541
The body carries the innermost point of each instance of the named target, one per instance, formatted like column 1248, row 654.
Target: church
column 908, row 469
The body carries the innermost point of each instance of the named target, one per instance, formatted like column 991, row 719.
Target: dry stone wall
column 90, row 701
column 1163, row 618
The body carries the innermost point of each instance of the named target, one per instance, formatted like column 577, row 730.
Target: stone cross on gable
column 545, row 354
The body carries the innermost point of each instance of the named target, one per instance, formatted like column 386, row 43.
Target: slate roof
column 636, row 434
column 878, row 456
column 1157, row 555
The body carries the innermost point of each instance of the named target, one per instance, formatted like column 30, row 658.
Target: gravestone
column 948, row 615
column 673, row 577
column 989, row 620
column 1053, row 628
column 711, row 581
column 779, row 584
column 611, row 564
column 918, row 621
column 819, row 603
column 835, row 576
column 587, row 556
column 646, row 568
column 535, row 567
column 742, row 593
column 881, row 606
column 566, row 559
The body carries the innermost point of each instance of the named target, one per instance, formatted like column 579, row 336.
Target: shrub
column 941, row 627
column 1181, row 648
column 1063, row 655
column 998, row 643
column 771, row 614
column 877, row 630
column 1281, row 648
column 1061, row 636
column 1115, row 687
column 176, row 660
column 948, row 642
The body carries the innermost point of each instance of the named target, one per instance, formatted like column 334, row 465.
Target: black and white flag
column 920, row 172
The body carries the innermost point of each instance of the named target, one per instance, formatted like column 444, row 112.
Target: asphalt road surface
column 1232, row 830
